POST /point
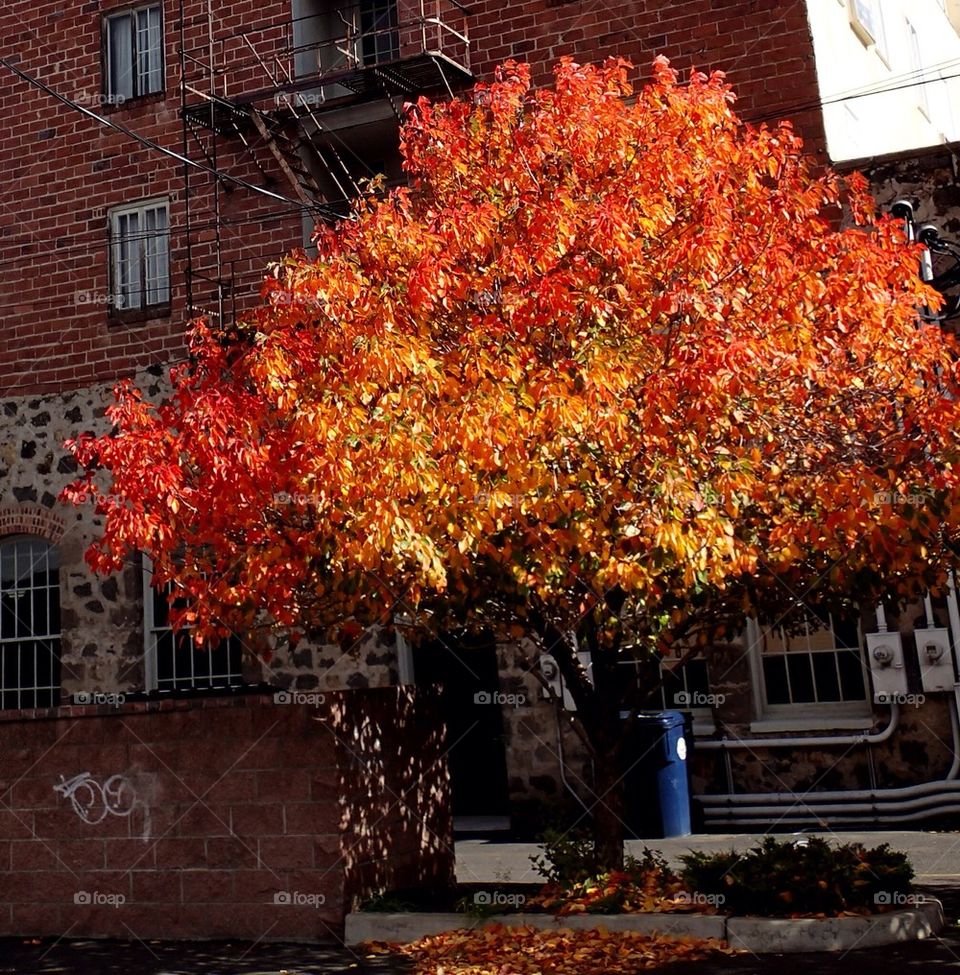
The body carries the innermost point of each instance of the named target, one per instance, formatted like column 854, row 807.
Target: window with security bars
column 140, row 256
column 175, row 663
column 133, row 49
column 684, row 686
column 817, row 661
column 29, row 623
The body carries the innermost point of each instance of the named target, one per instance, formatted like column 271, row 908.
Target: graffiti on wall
column 93, row 801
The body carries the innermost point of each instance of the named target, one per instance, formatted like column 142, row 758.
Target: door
column 466, row 668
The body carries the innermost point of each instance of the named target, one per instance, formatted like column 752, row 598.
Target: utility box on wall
column 935, row 658
column 889, row 676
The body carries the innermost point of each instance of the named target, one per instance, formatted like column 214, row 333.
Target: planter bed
column 756, row 934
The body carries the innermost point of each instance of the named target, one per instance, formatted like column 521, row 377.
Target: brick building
column 157, row 156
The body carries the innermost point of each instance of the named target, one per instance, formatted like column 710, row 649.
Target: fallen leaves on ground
column 620, row 892
column 500, row 950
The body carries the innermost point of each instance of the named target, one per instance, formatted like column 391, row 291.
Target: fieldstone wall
column 927, row 178
column 102, row 620
column 536, row 736
column 919, row 750
column 102, row 639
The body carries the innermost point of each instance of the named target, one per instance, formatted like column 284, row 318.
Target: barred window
column 173, row 660
column 29, row 623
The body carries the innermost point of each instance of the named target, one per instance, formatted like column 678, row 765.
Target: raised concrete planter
column 759, row 935
column 775, row 935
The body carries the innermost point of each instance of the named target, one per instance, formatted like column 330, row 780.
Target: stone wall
column 238, row 818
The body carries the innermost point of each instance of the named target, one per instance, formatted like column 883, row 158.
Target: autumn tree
column 603, row 368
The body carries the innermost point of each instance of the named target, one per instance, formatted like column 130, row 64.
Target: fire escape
column 270, row 91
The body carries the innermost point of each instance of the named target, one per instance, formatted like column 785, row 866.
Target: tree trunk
column 598, row 712
column 608, row 803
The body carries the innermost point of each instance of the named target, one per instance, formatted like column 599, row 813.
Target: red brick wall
column 240, row 818
column 765, row 46
column 62, row 172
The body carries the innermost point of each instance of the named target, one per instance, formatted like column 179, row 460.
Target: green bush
column 569, row 857
column 807, row 877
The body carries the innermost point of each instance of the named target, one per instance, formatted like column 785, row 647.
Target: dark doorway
column 465, row 665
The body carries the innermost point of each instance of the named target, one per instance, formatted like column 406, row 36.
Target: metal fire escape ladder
column 286, row 151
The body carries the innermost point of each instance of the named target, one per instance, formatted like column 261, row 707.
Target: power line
column 150, row 144
column 840, row 99
column 909, row 80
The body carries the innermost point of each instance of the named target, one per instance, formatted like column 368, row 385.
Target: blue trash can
column 657, row 778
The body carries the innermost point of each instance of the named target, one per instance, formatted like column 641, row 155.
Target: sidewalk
column 935, row 855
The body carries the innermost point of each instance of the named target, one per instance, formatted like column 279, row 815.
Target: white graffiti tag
column 93, row 802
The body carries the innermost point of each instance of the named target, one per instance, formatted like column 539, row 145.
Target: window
column 334, row 36
column 173, row 662
column 866, row 19
column 29, row 623
column 683, row 687
column 140, row 256
column 378, row 29
column 133, row 45
column 814, row 668
column 916, row 65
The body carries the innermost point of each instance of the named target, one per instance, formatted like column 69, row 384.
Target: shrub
column 806, row 877
column 569, row 857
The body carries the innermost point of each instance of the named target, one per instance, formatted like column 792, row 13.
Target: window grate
column 29, row 624
column 176, row 663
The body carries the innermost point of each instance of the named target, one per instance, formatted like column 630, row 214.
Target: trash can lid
column 661, row 719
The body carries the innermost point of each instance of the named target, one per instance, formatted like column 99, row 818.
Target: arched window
column 29, row 623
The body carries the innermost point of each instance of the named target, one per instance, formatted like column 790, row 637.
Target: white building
column 889, row 74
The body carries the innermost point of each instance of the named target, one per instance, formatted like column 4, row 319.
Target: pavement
column 936, row 858
column 935, row 855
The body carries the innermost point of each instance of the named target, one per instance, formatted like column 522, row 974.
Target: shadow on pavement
column 47, row 957
column 237, row 958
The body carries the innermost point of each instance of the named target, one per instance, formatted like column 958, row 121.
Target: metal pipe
column 855, row 739
column 848, row 807
column 877, row 818
column 563, row 764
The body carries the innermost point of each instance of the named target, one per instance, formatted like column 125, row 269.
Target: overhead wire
column 151, row 144
column 903, row 82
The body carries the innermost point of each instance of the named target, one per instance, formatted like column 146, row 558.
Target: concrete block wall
column 244, row 818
